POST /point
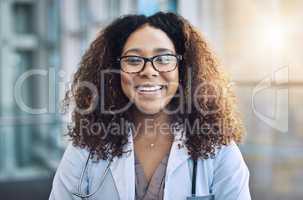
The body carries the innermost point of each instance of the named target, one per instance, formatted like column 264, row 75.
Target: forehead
column 148, row 39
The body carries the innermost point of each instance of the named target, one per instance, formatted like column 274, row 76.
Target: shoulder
column 73, row 158
column 71, row 169
column 75, row 153
column 72, row 150
column 229, row 158
column 230, row 173
column 68, row 173
column 229, row 152
column 72, row 162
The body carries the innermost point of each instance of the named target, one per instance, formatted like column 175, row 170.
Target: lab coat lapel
column 123, row 171
column 178, row 153
column 178, row 171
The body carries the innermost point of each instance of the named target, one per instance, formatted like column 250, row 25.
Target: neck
column 151, row 125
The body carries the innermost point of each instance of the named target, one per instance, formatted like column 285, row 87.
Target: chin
column 149, row 110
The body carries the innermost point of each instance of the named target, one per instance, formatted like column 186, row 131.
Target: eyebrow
column 161, row 50
column 156, row 50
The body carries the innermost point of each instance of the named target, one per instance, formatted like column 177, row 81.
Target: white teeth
column 149, row 88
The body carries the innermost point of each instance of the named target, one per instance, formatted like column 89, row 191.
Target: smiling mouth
column 149, row 88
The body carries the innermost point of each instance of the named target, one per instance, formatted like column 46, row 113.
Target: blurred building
column 41, row 45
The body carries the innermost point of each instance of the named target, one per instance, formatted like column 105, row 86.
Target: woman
column 154, row 118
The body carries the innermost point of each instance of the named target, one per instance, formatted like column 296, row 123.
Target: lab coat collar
column 178, row 152
column 123, row 168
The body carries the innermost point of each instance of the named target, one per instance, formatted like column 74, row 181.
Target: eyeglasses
column 161, row 63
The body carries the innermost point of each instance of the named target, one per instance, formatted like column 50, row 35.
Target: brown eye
column 165, row 59
column 132, row 60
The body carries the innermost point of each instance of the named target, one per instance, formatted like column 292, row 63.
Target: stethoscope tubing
column 85, row 196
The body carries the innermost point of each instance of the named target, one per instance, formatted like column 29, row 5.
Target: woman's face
column 149, row 90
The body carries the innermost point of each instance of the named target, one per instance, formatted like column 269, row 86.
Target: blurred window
column 24, row 17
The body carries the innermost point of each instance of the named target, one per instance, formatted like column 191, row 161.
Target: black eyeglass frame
column 151, row 59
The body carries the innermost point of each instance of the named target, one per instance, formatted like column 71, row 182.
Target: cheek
column 126, row 83
column 173, row 80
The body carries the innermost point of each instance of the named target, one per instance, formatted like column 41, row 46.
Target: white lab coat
column 226, row 176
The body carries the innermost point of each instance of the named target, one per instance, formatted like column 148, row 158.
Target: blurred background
column 258, row 42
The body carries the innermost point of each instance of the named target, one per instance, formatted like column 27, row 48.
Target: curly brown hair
column 198, row 71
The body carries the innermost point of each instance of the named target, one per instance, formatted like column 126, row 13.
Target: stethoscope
column 86, row 196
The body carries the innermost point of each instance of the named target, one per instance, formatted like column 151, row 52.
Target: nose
column 148, row 70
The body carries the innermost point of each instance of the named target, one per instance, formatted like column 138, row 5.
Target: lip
column 150, row 84
column 153, row 93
